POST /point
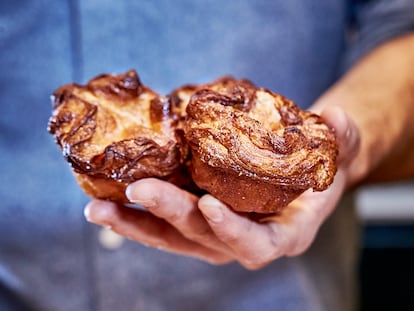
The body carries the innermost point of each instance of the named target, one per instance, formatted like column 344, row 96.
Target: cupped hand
column 205, row 228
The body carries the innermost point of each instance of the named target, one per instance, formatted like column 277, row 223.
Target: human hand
column 205, row 228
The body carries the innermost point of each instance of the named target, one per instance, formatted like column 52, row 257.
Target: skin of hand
column 179, row 222
column 356, row 107
column 378, row 95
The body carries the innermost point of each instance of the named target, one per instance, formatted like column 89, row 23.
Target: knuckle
column 202, row 234
column 276, row 238
column 174, row 216
column 230, row 237
column 221, row 260
column 257, row 260
column 289, row 243
column 299, row 247
column 254, row 265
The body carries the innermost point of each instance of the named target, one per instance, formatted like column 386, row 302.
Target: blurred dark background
column 387, row 262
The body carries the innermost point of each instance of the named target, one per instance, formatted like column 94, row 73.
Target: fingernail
column 211, row 209
column 141, row 198
column 98, row 212
column 87, row 212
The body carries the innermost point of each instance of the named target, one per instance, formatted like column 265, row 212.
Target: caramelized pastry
column 255, row 150
column 114, row 130
column 249, row 147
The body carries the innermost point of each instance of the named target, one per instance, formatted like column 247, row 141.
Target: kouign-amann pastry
column 249, row 147
column 256, row 150
column 113, row 131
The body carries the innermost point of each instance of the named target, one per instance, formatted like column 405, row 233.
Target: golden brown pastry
column 256, row 150
column 114, row 130
column 251, row 148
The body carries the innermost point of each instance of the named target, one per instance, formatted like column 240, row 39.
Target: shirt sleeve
column 375, row 22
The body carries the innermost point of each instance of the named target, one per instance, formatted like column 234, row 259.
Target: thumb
column 346, row 131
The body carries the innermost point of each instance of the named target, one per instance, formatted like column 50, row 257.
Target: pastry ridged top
column 261, row 135
column 114, row 127
column 233, row 134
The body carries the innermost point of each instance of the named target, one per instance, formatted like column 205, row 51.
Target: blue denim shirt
column 50, row 257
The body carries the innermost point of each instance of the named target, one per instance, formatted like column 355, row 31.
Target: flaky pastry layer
column 251, row 148
column 249, row 136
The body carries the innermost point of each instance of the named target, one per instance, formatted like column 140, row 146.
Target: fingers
column 254, row 244
column 142, row 227
column 206, row 228
column 346, row 132
column 226, row 236
column 290, row 233
column 348, row 137
column 213, row 232
column 309, row 211
column 178, row 208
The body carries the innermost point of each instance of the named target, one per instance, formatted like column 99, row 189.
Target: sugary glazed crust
column 264, row 137
column 251, row 148
column 255, row 149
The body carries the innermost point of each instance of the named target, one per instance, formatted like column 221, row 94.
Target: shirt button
column 109, row 239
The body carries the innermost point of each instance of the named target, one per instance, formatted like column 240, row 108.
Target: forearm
column 378, row 94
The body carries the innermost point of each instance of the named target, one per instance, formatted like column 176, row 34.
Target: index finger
column 178, row 208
